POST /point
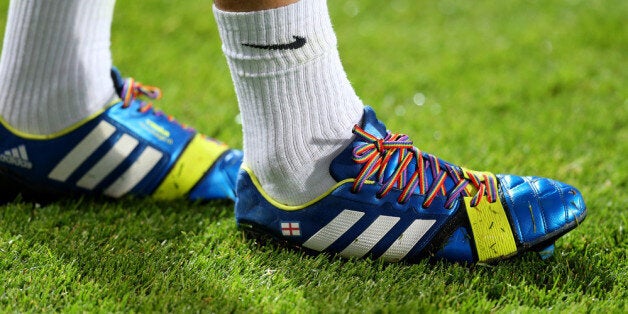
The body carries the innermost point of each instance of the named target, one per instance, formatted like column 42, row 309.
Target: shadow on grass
column 168, row 255
column 570, row 276
column 134, row 250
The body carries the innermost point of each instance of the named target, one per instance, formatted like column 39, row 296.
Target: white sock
column 297, row 105
column 55, row 64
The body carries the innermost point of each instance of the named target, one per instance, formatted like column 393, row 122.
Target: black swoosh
column 296, row 44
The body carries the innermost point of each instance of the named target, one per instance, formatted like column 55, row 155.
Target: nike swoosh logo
column 296, row 44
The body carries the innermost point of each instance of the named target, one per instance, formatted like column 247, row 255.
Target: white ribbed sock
column 297, row 105
column 55, row 64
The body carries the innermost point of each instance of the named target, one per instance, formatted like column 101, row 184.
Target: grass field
column 526, row 87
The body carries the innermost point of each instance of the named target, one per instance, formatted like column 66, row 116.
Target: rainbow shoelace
column 376, row 153
column 133, row 89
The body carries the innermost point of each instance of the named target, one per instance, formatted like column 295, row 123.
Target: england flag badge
column 291, row 229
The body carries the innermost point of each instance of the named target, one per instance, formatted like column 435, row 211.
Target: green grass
column 527, row 87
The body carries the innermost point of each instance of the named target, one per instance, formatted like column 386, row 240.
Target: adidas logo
column 16, row 156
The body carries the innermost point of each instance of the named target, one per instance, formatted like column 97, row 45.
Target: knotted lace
column 133, row 89
column 376, row 153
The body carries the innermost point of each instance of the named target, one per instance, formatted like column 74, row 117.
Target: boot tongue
column 343, row 167
column 372, row 125
column 118, row 81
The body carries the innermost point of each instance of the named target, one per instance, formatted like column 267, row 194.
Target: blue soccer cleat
column 127, row 149
column 395, row 202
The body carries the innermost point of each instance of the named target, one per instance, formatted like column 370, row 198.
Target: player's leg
column 251, row 5
column 296, row 103
column 313, row 179
column 55, row 64
column 71, row 124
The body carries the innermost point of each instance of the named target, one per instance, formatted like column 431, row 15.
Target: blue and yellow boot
column 127, row 149
column 394, row 202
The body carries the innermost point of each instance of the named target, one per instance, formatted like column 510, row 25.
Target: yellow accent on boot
column 492, row 234
column 195, row 160
column 285, row 207
column 63, row 132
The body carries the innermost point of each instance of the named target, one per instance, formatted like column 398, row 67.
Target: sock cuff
column 297, row 33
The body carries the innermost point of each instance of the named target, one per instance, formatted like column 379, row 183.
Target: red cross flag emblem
column 290, row 229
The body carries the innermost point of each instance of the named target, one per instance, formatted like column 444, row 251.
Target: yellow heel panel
column 195, row 160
